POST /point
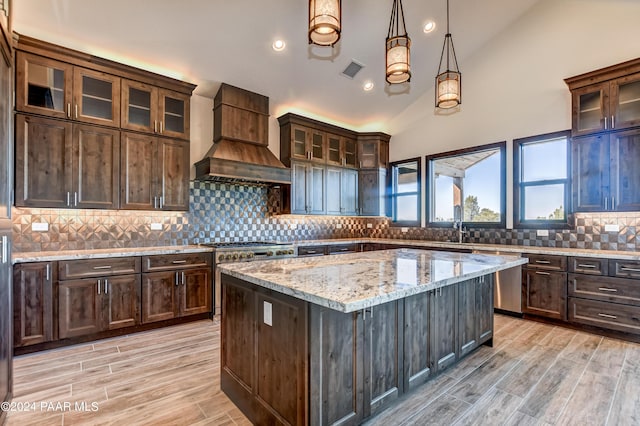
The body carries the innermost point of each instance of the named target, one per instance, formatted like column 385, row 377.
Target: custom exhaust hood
column 240, row 150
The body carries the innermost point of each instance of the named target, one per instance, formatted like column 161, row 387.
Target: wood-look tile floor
column 535, row 374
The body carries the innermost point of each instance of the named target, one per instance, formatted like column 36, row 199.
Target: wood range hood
column 240, row 150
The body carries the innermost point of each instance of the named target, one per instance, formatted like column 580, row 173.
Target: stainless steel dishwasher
column 507, row 290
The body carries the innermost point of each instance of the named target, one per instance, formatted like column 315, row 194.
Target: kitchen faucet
column 457, row 222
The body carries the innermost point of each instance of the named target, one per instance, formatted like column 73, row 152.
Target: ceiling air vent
column 352, row 69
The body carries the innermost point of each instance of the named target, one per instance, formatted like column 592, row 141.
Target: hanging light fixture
column 324, row 22
column 398, row 47
column 448, row 82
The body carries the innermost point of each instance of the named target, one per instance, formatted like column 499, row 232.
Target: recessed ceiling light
column 279, row 45
column 429, row 26
column 368, row 86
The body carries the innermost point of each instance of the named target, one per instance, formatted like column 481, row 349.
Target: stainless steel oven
column 243, row 252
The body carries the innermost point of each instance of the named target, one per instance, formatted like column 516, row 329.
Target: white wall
column 513, row 86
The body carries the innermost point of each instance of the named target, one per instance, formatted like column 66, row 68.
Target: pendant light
column 398, row 47
column 448, row 82
column 324, row 22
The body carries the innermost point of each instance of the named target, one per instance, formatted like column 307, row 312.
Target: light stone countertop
column 50, row 256
column 603, row 254
column 350, row 282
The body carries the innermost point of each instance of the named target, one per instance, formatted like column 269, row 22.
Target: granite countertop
column 604, row 254
column 50, row 256
column 355, row 281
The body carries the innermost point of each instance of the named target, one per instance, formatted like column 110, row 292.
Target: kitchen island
column 337, row 339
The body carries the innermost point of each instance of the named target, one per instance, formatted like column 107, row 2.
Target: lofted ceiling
column 207, row 42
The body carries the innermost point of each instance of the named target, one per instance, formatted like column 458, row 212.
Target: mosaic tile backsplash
column 221, row 212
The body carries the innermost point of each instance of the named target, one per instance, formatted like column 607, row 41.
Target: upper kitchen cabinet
column 373, row 150
column 341, row 151
column 65, row 165
column 606, row 99
column 147, row 108
column 605, row 172
column 305, row 144
column 58, row 89
column 154, row 173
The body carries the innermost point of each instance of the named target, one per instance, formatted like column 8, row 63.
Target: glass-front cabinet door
column 173, row 114
column 334, row 151
column 590, row 109
column 350, row 155
column 318, row 142
column 43, row 86
column 139, row 107
column 299, row 148
column 96, row 97
column 625, row 102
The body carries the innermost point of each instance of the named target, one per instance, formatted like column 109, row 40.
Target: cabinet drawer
column 604, row 314
column 543, row 261
column 589, row 265
column 624, row 268
column 72, row 269
column 342, row 248
column 171, row 262
column 606, row 289
column 311, row 251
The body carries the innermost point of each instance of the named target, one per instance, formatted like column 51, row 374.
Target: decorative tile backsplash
column 222, row 212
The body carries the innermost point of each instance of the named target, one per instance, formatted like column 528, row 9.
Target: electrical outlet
column 156, row 227
column 404, row 230
column 338, row 226
column 542, row 232
column 268, row 313
column 369, row 225
column 612, row 228
column 40, row 227
column 293, row 226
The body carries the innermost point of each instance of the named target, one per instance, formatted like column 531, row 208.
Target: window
column 541, row 181
column 470, row 181
column 404, row 183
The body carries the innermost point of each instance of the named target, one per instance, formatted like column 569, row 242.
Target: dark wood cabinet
column 150, row 109
column 90, row 305
column 604, row 172
column 96, row 295
column 372, row 190
column 342, row 151
column 544, row 286
column 96, row 97
column 154, row 173
column 6, row 347
column 417, row 340
column 342, row 191
column 33, row 303
column 606, row 99
column 176, row 286
column 373, row 150
column 308, row 182
column 64, row 165
column 444, row 327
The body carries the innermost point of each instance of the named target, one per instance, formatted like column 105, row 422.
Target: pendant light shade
column 324, row 22
column 449, row 81
column 398, row 47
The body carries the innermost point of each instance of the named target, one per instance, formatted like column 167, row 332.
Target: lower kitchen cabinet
column 444, row 327
column 91, row 305
column 544, row 286
column 33, row 303
column 175, row 286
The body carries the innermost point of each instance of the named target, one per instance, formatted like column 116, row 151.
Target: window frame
column 502, row 146
column 518, row 185
column 392, row 198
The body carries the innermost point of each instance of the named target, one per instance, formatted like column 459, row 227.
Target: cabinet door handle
column 627, row 269
column 76, row 111
column 606, row 203
column 605, row 123
column 106, row 286
column 543, row 262
column 99, row 282
column 69, row 110
column 155, row 202
column 543, row 273
column 580, row 265
column 75, row 199
column 68, row 199
column 155, row 126
column 5, row 250
column 613, row 121
column 161, row 127
column 102, row 267
column 608, row 316
column 177, row 282
column 48, row 267
column 611, row 290
column 161, row 198
column 183, row 281
column 613, row 203
column 177, row 262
